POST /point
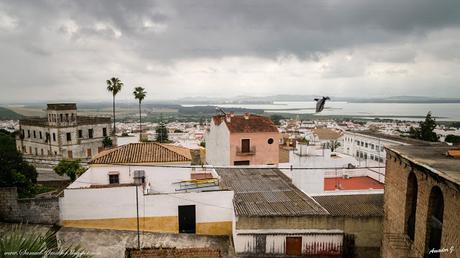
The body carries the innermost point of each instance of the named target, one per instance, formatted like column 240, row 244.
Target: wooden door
column 187, row 219
column 245, row 145
column 294, row 246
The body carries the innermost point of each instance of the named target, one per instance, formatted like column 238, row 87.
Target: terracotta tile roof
column 246, row 123
column 147, row 152
column 266, row 192
column 358, row 205
column 326, row 134
column 455, row 153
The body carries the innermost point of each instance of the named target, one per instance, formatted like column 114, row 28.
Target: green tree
column 114, row 86
column 162, row 133
column 107, row 142
column 14, row 171
column 333, row 145
column 20, row 238
column 426, row 130
column 71, row 168
column 455, row 139
column 139, row 94
column 276, row 119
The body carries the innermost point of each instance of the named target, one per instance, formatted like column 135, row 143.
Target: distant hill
column 6, row 114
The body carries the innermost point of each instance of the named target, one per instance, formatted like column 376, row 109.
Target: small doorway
column 187, row 219
column 88, row 153
column 294, row 246
column 245, row 145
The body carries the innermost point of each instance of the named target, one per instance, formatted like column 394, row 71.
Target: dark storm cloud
column 63, row 42
column 263, row 28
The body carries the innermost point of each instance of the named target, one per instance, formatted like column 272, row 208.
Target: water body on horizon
column 399, row 111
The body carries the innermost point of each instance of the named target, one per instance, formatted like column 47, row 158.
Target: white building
column 172, row 197
column 63, row 133
column 368, row 146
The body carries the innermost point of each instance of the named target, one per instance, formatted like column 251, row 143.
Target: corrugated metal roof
column 147, row 152
column 358, row 205
column 266, row 192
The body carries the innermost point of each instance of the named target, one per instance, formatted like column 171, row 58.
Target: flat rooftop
column 432, row 157
column 395, row 138
column 357, row 205
column 266, row 192
column 352, row 183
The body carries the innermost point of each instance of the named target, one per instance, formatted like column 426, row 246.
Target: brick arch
column 411, row 205
column 434, row 220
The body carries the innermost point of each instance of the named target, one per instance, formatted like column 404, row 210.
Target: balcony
column 246, row 152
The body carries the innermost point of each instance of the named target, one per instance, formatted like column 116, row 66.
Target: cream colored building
column 63, row 133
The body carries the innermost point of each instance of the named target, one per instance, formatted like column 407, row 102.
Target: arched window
column 411, row 205
column 434, row 221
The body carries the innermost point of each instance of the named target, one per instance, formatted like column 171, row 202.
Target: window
column 35, row 135
column 245, row 145
column 89, row 153
column 69, row 137
column 113, row 179
column 270, row 141
column 67, row 117
column 80, row 133
column 104, row 132
column 41, row 151
column 54, row 137
column 62, row 118
column 367, row 145
column 40, row 133
column 28, row 133
column 411, row 205
column 241, row 163
column 90, row 133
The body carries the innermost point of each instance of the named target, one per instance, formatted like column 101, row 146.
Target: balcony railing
column 241, row 152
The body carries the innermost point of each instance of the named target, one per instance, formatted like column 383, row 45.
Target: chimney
column 246, row 115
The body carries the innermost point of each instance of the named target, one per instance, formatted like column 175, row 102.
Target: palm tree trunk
column 113, row 109
column 140, row 121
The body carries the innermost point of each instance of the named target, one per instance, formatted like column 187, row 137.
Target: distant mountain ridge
column 6, row 114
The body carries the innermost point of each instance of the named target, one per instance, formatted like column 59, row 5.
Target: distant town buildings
column 62, row 133
column 369, row 146
column 242, row 140
column 422, row 202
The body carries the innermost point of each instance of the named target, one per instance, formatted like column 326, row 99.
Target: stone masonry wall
column 31, row 210
column 397, row 173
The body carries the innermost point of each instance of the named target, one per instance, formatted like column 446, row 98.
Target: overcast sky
column 65, row 50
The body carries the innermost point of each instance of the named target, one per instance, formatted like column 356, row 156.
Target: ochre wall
column 165, row 224
column 397, row 173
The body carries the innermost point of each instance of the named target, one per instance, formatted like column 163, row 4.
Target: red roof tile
column 147, row 152
column 352, row 183
column 246, row 123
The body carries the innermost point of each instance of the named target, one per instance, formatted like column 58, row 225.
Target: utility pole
column 139, row 177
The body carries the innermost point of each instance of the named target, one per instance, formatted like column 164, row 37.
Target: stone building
column 62, row 133
column 422, row 202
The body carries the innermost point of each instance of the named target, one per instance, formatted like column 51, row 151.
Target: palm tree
column 114, row 85
column 139, row 94
column 20, row 238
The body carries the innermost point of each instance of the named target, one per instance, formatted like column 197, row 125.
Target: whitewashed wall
column 157, row 179
column 218, row 145
column 120, row 202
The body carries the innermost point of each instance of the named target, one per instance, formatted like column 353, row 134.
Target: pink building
column 242, row 140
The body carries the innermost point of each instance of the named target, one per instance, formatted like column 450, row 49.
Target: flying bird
column 320, row 104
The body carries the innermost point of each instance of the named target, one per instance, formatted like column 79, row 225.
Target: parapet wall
column 40, row 210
